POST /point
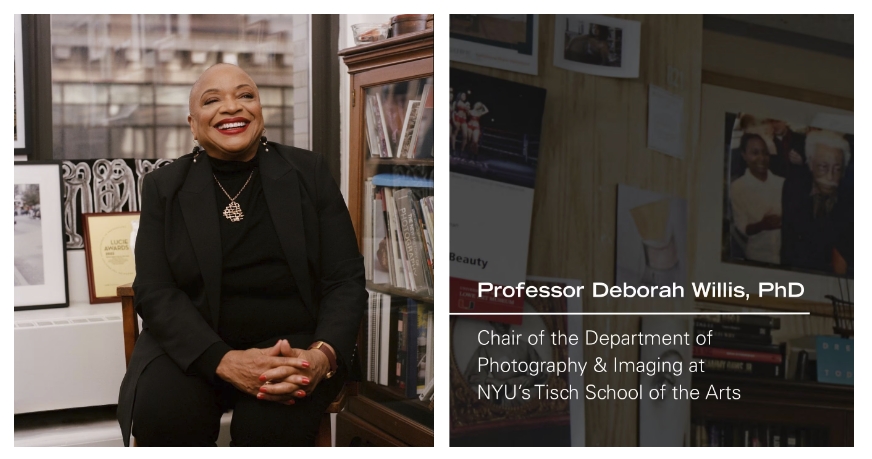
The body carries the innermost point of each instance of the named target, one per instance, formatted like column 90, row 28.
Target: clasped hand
column 280, row 373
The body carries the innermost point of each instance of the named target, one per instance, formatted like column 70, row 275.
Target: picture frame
column 508, row 42
column 22, row 91
column 110, row 238
column 40, row 262
column 475, row 421
column 717, row 101
column 597, row 45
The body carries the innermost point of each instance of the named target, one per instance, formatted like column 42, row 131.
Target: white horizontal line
column 629, row 313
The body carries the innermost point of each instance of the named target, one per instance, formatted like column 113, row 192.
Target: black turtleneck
column 260, row 301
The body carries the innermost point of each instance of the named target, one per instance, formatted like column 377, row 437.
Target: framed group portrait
column 776, row 192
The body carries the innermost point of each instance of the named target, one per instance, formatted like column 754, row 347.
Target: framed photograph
column 109, row 243
column 598, row 45
column 501, row 41
column 480, row 421
column 652, row 238
column 40, row 258
column 776, row 187
column 20, row 91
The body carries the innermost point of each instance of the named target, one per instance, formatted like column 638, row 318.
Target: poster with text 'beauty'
column 494, row 151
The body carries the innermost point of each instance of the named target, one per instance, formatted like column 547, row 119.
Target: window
column 120, row 83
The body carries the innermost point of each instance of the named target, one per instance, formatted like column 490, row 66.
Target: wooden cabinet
column 390, row 199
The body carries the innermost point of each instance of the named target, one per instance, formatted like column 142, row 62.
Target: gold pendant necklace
column 233, row 212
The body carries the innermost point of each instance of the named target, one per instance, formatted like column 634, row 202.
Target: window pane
column 120, row 83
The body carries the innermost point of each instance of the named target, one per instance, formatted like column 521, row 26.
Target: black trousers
column 176, row 409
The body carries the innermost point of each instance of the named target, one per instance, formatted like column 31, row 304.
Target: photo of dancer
column 495, row 128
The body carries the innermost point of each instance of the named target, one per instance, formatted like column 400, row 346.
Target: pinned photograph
column 789, row 191
column 496, row 127
column 502, row 41
column 652, row 238
column 598, row 45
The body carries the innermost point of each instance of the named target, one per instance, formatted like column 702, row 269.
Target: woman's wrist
column 328, row 353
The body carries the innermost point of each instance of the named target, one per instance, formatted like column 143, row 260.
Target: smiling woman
column 256, row 311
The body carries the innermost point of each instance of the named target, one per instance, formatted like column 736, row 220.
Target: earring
column 196, row 150
column 263, row 139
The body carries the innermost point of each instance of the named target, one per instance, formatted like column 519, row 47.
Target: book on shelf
column 737, row 354
column 408, row 132
column 401, row 249
column 367, row 223
column 773, row 323
column 741, row 344
column 747, row 329
column 723, row 433
column 380, row 336
column 377, row 134
column 769, row 370
column 412, row 241
column 725, row 336
column 423, row 136
column 384, row 136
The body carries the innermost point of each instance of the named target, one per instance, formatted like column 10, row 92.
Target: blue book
column 835, row 360
column 401, row 180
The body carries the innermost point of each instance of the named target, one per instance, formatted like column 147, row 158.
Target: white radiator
column 69, row 357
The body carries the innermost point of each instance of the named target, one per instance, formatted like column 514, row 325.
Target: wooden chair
column 131, row 333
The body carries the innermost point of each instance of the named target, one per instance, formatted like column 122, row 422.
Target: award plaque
column 109, row 240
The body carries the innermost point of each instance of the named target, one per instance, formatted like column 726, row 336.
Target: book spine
column 773, row 323
column 736, row 337
column 735, row 354
column 384, row 337
column 746, row 368
column 400, row 367
column 732, row 328
column 367, row 223
column 412, row 246
column 411, row 331
column 745, row 346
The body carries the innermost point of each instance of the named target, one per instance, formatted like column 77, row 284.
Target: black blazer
column 178, row 259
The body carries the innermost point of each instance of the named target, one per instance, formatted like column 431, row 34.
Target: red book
column 736, row 354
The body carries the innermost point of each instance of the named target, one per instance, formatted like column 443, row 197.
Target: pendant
column 233, row 212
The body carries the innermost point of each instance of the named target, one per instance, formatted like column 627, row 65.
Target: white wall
column 346, row 39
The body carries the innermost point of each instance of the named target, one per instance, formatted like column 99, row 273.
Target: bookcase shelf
column 391, row 133
column 399, row 162
column 795, row 406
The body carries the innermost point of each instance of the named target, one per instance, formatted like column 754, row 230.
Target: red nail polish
column 263, row 389
column 301, row 393
column 305, row 380
column 305, row 364
column 259, row 395
column 262, row 378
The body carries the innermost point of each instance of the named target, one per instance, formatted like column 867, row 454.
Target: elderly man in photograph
column 818, row 216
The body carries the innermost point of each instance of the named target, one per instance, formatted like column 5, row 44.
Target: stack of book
column 385, row 137
column 398, row 215
column 740, row 344
column 725, row 433
column 400, row 345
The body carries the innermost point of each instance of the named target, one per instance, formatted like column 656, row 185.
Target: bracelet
column 319, row 345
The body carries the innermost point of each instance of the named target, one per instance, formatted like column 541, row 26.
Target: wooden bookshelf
column 797, row 404
column 397, row 71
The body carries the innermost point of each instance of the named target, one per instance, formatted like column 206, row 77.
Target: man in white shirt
column 756, row 202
